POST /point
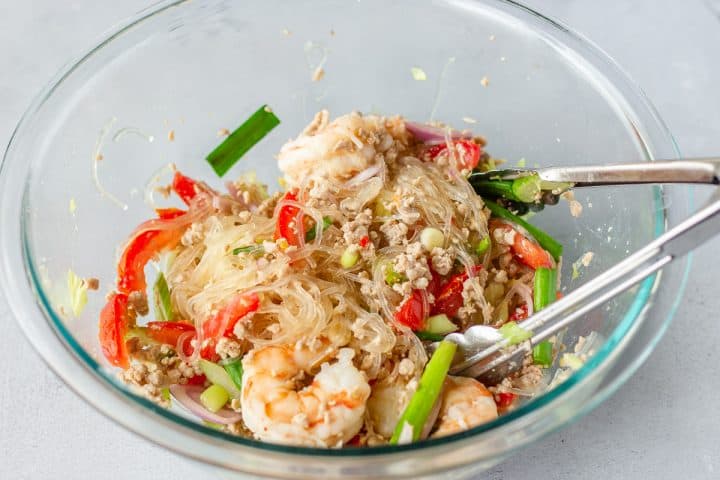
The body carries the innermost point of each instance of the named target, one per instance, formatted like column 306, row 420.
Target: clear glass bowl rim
column 153, row 413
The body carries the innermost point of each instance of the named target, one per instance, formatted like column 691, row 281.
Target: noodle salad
column 304, row 317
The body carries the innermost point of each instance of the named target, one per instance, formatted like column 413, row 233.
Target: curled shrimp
column 465, row 403
column 328, row 412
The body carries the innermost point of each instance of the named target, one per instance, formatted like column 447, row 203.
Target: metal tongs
column 484, row 354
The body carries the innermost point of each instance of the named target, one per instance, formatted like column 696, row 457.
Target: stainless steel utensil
column 485, row 355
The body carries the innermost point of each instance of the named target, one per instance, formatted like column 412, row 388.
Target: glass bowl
column 538, row 91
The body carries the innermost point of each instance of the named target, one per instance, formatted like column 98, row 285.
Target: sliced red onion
column 364, row 175
column 429, row 134
column 189, row 397
column 524, row 292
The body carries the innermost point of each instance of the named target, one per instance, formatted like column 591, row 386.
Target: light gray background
column 664, row 424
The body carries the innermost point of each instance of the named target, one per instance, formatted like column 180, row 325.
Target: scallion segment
column 543, row 354
column 544, row 288
column 242, row 139
column 440, row 324
column 514, row 333
column 429, row 336
column 545, row 240
column 312, row 232
column 413, row 419
column 482, row 246
column 527, row 189
column 163, row 305
column 251, row 249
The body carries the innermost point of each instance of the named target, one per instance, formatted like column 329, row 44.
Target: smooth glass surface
column 197, row 67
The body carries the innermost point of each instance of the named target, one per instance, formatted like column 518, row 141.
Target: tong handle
column 693, row 170
column 488, row 365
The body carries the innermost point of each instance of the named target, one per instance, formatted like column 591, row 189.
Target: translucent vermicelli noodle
column 312, row 309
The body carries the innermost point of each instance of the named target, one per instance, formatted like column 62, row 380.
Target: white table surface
column 663, row 424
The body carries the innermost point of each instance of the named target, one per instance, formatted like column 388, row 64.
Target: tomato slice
column 412, row 313
column 468, row 153
column 222, row 324
column 185, row 187
column 114, row 324
column 170, row 333
column 449, row 299
column 530, row 253
column 504, row 399
column 287, row 226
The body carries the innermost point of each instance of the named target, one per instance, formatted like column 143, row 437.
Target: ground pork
column 158, row 367
column 413, row 265
column 442, row 260
column 395, row 232
column 229, row 348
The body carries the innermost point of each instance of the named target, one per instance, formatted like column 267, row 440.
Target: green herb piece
column 163, row 305
column 482, row 247
column 495, row 188
column 429, row 336
column 234, row 370
column 251, row 249
column 391, row 276
column 543, row 353
column 545, row 240
column 544, row 289
column 413, row 419
column 527, row 188
column 218, row 375
column 514, row 333
column 312, row 233
column 242, row 139
column 214, row 398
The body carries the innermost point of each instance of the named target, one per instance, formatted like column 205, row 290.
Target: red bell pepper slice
column 530, row 253
column 139, row 251
column 287, row 225
column 449, row 299
column 222, row 324
column 169, row 213
column 170, row 333
column 468, row 153
column 185, row 187
column 114, row 324
column 412, row 312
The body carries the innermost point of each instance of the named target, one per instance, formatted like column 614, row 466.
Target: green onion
column 234, row 370
column 242, row 139
column 440, row 324
column 214, row 425
column 482, row 247
column 514, row 333
column 413, row 419
column 214, row 398
column 163, row 306
column 310, row 234
column 543, row 353
column 527, row 188
column 544, row 291
column 252, row 249
column 429, row 336
column 218, row 375
column 165, row 394
column 391, row 276
column 545, row 240
column 495, row 188
column 349, row 257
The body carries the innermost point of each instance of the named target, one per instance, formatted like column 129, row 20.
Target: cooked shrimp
column 336, row 150
column 326, row 413
column 466, row 403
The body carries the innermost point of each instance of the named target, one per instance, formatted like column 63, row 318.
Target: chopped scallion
column 514, row 333
column 482, row 246
column 543, row 354
column 251, row 249
column 429, row 336
column 242, row 139
column 214, row 398
column 544, row 288
column 413, row 419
